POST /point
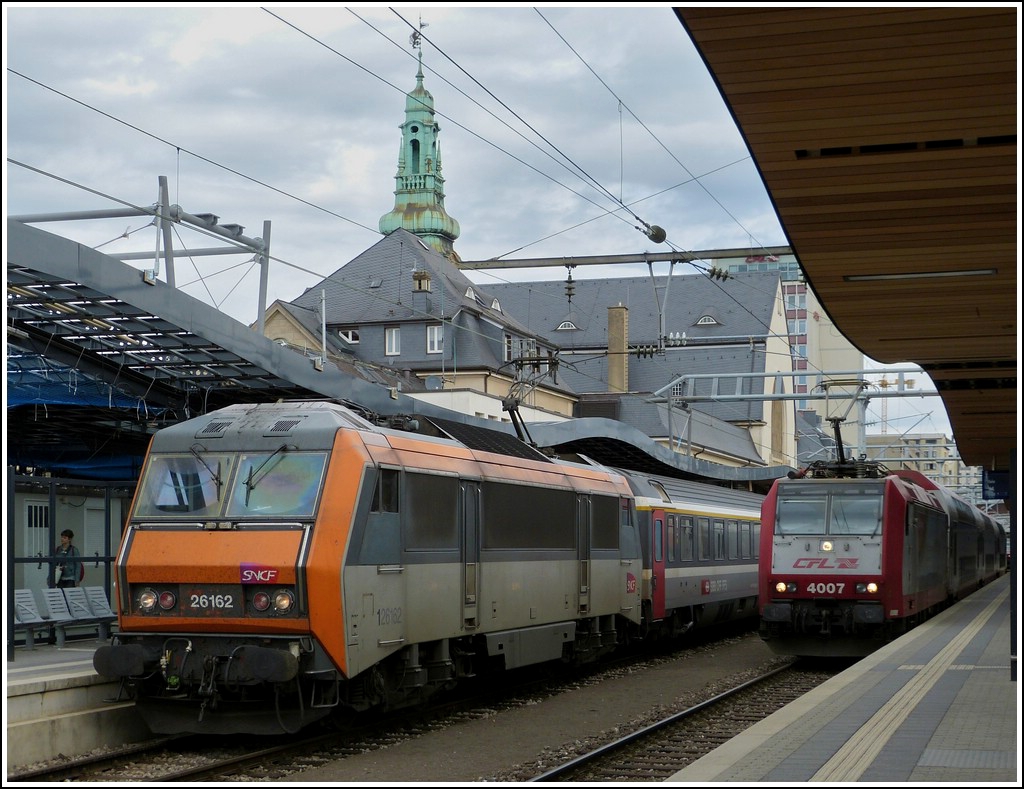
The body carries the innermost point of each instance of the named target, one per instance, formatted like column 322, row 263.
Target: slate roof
column 741, row 305
column 376, row 286
column 345, row 360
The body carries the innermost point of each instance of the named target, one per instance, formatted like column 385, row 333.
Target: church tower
column 419, row 185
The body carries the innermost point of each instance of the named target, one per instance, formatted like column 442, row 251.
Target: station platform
column 56, row 705
column 939, row 705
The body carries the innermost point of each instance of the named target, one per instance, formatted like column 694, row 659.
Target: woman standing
column 68, row 563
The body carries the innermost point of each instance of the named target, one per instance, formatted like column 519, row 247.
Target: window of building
column 567, row 326
column 495, row 305
column 435, row 338
column 392, row 341
column 707, row 320
column 518, row 347
column 351, row 336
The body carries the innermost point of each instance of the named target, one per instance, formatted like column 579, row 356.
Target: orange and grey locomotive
column 284, row 562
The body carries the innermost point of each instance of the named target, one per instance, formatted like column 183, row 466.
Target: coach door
column 658, row 564
column 583, row 550
column 470, row 516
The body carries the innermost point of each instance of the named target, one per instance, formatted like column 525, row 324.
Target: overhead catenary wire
column 179, row 149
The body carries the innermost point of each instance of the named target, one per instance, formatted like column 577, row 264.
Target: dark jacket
column 66, row 567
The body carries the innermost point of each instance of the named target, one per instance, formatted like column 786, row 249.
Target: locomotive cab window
column 856, row 515
column 849, row 511
column 385, row 492
column 183, row 485
column 801, row 515
column 282, row 483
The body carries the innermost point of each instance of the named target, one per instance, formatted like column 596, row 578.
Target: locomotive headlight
column 167, row 600
column 284, row 600
column 867, row 588
column 827, row 546
column 261, row 601
column 148, row 599
column 782, row 587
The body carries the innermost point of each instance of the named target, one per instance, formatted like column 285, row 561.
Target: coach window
column 673, row 551
column 732, row 536
column 659, row 552
column 755, row 539
column 686, row 538
column 704, row 538
column 718, row 526
column 744, row 539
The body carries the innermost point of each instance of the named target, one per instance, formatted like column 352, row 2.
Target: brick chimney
column 618, row 348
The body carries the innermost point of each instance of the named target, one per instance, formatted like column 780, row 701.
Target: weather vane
column 415, row 39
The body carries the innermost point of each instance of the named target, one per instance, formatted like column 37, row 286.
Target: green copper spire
column 419, row 185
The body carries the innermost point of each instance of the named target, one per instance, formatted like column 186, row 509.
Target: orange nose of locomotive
column 212, row 580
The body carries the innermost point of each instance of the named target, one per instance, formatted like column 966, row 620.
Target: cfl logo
column 824, row 563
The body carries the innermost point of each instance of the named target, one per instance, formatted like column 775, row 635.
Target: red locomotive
column 853, row 555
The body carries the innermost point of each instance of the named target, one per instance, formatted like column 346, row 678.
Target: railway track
column 243, row 758
column 661, row 749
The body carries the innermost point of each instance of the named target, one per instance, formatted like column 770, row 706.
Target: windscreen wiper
column 251, row 480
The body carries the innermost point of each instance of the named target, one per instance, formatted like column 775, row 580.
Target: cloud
column 563, row 129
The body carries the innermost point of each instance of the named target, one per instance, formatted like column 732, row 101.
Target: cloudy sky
column 562, row 129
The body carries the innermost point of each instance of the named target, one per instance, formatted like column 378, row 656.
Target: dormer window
column 707, row 320
column 472, row 294
column 351, row 336
column 567, row 326
column 495, row 305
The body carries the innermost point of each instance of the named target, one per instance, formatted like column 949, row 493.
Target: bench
column 62, row 616
column 98, row 601
column 27, row 618
column 83, row 610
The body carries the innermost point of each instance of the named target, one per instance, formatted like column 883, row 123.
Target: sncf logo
column 825, row 563
column 257, row 574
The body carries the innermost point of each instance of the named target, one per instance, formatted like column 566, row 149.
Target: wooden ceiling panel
column 887, row 140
